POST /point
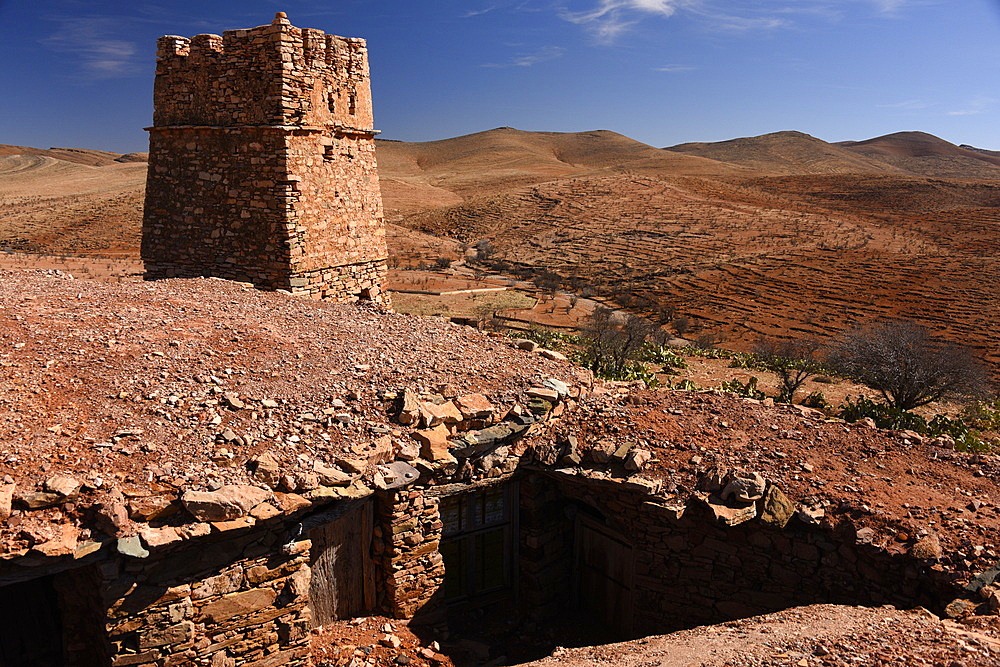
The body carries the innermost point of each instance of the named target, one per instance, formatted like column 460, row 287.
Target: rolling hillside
column 787, row 153
column 926, row 155
column 426, row 175
column 781, row 234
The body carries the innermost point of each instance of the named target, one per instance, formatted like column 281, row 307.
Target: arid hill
column 67, row 201
column 787, row 153
column 927, row 155
column 902, row 153
column 77, row 155
column 781, row 234
column 425, row 175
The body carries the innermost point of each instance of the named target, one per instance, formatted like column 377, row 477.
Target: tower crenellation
column 262, row 162
column 314, row 77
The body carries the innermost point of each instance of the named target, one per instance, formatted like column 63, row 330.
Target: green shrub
column 747, row 360
column 661, row 354
column 746, row 389
column 710, row 353
column 983, row 415
column 607, row 370
column 683, row 385
column 883, row 415
column 817, row 401
column 967, row 434
column 547, row 338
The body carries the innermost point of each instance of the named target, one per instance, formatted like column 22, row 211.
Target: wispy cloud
column 674, row 68
column 889, row 7
column 906, row 105
column 610, row 18
column 735, row 22
column 95, row 44
column 978, row 105
column 541, row 55
column 607, row 20
column 479, row 12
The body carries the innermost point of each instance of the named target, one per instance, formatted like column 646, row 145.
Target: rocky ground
column 374, row 640
column 179, row 384
column 905, row 491
column 814, row 636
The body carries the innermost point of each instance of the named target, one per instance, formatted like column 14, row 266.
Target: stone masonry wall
column 262, row 163
column 408, row 534
column 210, row 216
column 690, row 570
column 233, row 600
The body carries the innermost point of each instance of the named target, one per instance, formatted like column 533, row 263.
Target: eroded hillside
column 780, row 234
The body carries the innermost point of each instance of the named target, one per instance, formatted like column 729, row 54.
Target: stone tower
column 262, row 163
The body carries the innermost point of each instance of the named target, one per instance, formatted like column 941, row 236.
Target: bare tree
column 484, row 250
column 792, row 361
column 548, row 281
column 612, row 339
column 681, row 325
column 910, row 367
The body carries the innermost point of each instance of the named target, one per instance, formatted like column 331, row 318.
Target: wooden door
column 605, row 572
column 343, row 574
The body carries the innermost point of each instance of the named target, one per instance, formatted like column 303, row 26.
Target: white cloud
column 93, row 42
column 888, row 6
column 541, row 55
column 610, row 18
column 479, row 12
column 977, row 106
column 906, row 105
column 675, row 68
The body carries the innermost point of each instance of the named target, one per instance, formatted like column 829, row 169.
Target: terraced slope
column 54, row 206
column 745, row 259
column 779, row 239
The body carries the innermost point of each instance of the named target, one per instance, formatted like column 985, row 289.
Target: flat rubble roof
column 168, row 386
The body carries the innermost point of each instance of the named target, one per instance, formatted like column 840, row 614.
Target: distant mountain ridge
column 505, row 157
column 900, row 153
column 85, row 156
column 985, row 151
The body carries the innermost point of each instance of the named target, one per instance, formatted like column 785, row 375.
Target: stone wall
column 407, row 538
column 691, row 570
column 228, row 600
column 262, row 163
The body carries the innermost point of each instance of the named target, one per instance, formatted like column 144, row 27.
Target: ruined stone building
column 170, row 496
column 262, row 163
column 204, row 473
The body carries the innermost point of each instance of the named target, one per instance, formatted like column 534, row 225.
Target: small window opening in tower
column 328, row 155
column 352, row 104
column 331, row 101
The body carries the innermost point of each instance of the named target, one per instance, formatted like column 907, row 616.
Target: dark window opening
column 30, row 625
column 352, row 104
column 477, row 544
column 328, row 155
column 331, row 102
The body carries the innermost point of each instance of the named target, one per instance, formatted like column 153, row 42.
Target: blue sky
column 79, row 72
